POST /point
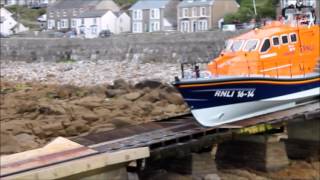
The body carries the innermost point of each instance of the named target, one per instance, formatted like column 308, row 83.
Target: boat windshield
column 227, row 45
column 251, row 45
column 236, row 45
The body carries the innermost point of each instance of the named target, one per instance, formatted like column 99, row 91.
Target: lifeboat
column 272, row 68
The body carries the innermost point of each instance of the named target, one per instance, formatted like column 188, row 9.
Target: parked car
column 105, row 33
column 3, row 36
column 229, row 27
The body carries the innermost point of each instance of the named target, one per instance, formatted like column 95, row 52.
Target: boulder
column 8, row 144
column 152, row 84
column 89, row 102
column 172, row 98
column 110, row 93
column 27, row 141
column 26, row 107
column 50, row 109
column 212, row 177
column 152, row 96
column 102, row 111
column 121, row 84
column 171, row 108
column 53, row 126
column 132, row 96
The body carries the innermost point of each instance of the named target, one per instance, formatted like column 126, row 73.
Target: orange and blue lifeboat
column 262, row 71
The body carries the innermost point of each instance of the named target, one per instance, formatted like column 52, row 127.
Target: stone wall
column 158, row 47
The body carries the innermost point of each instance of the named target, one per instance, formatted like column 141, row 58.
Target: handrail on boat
column 285, row 69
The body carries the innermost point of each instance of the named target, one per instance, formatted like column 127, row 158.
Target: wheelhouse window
column 276, row 41
column 227, row 45
column 236, row 45
column 251, row 45
column 293, row 38
column 284, row 39
column 265, row 46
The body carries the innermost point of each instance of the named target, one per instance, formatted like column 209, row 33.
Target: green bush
column 265, row 9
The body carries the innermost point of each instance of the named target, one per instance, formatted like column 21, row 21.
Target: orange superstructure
column 277, row 49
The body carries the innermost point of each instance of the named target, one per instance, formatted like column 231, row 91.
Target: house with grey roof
column 63, row 14
column 203, row 15
column 154, row 15
column 90, row 23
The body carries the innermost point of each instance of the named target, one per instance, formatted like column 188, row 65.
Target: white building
column 123, row 23
column 8, row 25
column 92, row 22
column 286, row 3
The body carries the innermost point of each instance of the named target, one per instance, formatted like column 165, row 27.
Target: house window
column 266, row 46
column 58, row 13
column 64, row 13
column 93, row 29
column 137, row 27
column 184, row 26
column 185, row 12
column 51, row 23
column 194, row 12
column 51, row 14
column 154, row 14
column 154, row 26
column 94, row 21
column 203, row 25
column 137, row 14
column 64, row 23
column 75, row 12
column 73, row 23
column 203, row 11
column 82, row 21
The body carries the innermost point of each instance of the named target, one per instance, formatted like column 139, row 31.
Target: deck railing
column 283, row 69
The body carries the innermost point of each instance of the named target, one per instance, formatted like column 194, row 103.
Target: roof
column 92, row 13
column 190, row 3
column 68, row 4
column 149, row 4
column 266, row 31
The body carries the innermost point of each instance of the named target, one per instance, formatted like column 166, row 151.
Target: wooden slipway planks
column 62, row 158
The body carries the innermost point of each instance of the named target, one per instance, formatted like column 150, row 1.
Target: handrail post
column 263, row 72
column 277, row 70
column 216, row 65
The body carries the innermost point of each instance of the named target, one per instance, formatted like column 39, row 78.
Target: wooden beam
column 83, row 165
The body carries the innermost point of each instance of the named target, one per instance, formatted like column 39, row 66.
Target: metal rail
column 182, row 129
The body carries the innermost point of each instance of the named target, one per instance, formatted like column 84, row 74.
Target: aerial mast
column 254, row 7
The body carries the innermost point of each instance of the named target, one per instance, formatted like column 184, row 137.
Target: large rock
column 8, row 144
column 26, row 108
column 27, row 141
column 110, row 93
column 152, row 84
column 50, row 109
column 152, row 96
column 132, row 96
column 173, row 98
column 121, row 84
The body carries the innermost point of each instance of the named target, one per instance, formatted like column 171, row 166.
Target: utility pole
column 254, row 7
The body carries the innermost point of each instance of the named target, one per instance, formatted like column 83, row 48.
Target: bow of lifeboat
column 262, row 71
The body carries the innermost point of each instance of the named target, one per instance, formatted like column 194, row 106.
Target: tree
column 265, row 9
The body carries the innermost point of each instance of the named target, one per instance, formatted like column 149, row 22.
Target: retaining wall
column 163, row 47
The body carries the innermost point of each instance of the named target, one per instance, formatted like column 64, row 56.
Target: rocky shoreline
column 87, row 73
column 33, row 114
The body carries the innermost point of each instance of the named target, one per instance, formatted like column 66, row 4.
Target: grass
column 27, row 16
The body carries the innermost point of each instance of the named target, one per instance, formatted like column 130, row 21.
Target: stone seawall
column 153, row 47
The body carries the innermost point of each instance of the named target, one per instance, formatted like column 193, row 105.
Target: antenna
column 254, row 7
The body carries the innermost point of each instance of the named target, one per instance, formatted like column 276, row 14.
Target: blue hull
column 210, row 97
